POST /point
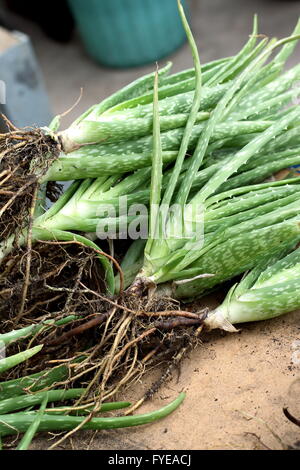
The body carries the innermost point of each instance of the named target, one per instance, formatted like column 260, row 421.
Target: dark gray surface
column 23, row 99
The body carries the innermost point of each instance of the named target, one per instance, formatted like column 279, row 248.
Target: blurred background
column 101, row 45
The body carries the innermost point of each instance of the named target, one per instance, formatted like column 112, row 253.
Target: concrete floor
column 220, row 26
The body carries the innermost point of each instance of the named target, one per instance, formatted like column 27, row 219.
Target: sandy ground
column 236, row 385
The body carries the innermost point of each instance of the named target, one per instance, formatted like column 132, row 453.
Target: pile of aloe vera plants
column 174, row 191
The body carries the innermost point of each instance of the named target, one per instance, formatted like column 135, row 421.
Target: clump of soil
column 59, row 285
column 56, row 271
column 111, row 342
column 25, row 156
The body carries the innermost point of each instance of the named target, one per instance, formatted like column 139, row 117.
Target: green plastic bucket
column 126, row 33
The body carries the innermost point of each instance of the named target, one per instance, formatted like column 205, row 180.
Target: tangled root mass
column 111, row 342
column 108, row 343
column 25, row 156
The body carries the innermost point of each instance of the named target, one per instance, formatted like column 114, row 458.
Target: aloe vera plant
column 97, row 140
column 11, row 361
column 269, row 290
column 15, row 423
column 219, row 94
column 14, row 397
column 261, row 215
column 187, row 259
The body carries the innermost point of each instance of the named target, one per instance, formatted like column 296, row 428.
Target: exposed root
column 52, row 286
column 290, row 417
column 108, row 344
column 28, row 257
column 25, row 156
column 97, row 320
column 141, row 286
